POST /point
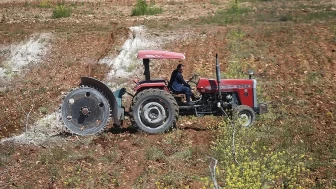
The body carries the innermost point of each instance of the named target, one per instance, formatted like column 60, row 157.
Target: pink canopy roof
column 156, row 54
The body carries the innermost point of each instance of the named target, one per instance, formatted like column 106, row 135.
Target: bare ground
column 294, row 61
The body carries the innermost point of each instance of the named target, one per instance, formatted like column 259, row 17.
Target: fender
column 152, row 84
column 115, row 108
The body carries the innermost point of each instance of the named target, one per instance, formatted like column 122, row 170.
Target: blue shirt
column 177, row 82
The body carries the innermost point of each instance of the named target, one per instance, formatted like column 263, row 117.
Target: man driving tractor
column 178, row 85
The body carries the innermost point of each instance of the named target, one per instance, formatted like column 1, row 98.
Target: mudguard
column 116, row 110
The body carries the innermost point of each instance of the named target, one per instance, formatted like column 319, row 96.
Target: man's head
column 180, row 68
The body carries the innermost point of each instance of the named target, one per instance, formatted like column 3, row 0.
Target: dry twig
column 212, row 167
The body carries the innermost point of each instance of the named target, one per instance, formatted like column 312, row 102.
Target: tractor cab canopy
column 156, row 54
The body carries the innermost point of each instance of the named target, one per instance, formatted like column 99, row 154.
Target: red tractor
column 155, row 108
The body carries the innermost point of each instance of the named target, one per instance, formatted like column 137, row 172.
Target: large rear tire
column 154, row 111
column 244, row 115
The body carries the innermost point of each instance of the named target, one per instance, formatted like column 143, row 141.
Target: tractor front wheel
column 154, row 111
column 244, row 115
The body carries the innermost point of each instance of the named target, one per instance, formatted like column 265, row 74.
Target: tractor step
column 189, row 107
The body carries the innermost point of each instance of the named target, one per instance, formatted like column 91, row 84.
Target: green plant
column 234, row 14
column 182, row 155
column 45, row 4
column 214, row 2
column 236, row 46
column 56, row 154
column 285, row 18
column 154, row 153
column 314, row 77
column 174, row 2
column 131, row 67
column 43, row 110
column 321, row 15
column 247, row 162
column 61, row 11
column 54, row 173
column 142, row 8
column 5, row 155
column 333, row 29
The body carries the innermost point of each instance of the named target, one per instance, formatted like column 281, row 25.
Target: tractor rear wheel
column 154, row 111
column 85, row 111
column 244, row 115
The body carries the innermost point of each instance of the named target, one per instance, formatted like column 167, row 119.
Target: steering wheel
column 193, row 79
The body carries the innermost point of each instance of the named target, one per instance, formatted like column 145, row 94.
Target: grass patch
column 333, row 37
column 154, row 153
column 53, row 156
column 142, row 8
column 235, row 14
column 61, row 11
column 214, row 2
column 5, row 155
column 285, row 18
column 240, row 51
column 44, row 4
column 323, row 15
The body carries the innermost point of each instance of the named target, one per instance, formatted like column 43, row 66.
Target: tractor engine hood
column 205, row 85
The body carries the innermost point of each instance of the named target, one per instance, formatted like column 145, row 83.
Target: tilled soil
column 294, row 63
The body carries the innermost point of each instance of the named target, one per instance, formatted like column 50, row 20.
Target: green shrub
column 61, row 11
column 142, row 8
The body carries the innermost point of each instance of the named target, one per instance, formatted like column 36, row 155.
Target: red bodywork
column 243, row 88
column 158, row 84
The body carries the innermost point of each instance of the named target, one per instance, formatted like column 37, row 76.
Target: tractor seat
column 176, row 93
column 179, row 96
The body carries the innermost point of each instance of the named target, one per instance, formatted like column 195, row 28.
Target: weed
column 131, row 67
column 169, row 180
column 285, row 18
column 57, row 154
column 154, row 153
column 257, row 165
column 183, row 155
column 45, row 4
column 174, row 2
column 214, row 2
column 232, row 15
column 142, row 8
column 111, row 155
column 333, row 37
column 54, row 173
column 313, row 77
column 61, row 11
column 321, row 15
column 236, row 46
column 43, row 110
column 5, row 155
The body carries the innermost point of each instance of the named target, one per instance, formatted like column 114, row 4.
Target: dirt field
column 291, row 46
